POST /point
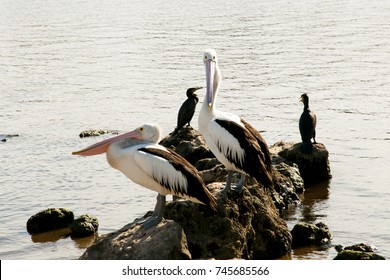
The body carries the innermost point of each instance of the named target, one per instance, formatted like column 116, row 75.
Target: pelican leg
column 229, row 186
column 157, row 215
column 238, row 188
column 228, row 181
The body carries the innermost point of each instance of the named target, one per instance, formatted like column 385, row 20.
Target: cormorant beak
column 102, row 146
column 300, row 99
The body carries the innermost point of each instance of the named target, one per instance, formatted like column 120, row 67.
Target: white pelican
column 233, row 141
column 137, row 155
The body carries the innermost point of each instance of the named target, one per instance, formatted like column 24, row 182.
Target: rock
column 359, row 251
column 361, row 247
column 356, row 255
column 190, row 144
column 96, row 132
column 247, row 226
column 304, row 234
column 287, row 185
column 313, row 167
column 4, row 137
column 166, row 241
column 50, row 219
column 83, row 226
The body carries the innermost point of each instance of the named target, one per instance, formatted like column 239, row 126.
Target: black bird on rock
column 187, row 109
column 307, row 125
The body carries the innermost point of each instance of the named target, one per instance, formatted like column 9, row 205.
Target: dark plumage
column 187, row 109
column 307, row 125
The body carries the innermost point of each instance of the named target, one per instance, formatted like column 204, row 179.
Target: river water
column 67, row 66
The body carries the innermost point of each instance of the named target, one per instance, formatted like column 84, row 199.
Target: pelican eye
column 141, row 129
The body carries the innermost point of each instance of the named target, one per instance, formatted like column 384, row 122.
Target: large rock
column 166, row 241
column 189, row 143
column 313, row 167
column 49, row 219
column 246, row 226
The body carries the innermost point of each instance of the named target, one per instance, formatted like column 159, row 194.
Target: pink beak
column 101, row 147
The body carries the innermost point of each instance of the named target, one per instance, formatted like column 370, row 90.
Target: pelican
column 307, row 125
column 187, row 109
column 138, row 156
column 233, row 141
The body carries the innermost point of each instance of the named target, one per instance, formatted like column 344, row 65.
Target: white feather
column 161, row 170
column 147, row 169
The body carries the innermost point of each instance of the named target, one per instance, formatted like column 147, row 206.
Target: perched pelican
column 233, row 141
column 307, row 125
column 187, row 109
column 137, row 155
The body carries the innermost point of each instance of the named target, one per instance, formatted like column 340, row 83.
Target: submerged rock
column 356, row 255
column 96, row 132
column 304, row 234
column 166, row 241
column 49, row 219
column 83, row 226
column 4, row 137
column 359, row 251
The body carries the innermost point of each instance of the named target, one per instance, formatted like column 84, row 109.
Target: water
column 67, row 66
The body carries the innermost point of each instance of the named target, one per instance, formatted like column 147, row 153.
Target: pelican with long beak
column 234, row 142
column 138, row 156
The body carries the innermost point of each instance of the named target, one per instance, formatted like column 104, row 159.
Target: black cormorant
column 307, row 125
column 187, row 109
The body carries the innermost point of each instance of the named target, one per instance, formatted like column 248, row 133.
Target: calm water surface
column 67, row 66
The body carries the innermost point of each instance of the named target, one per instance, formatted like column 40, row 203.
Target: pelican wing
column 248, row 151
column 174, row 173
column 226, row 142
column 152, row 160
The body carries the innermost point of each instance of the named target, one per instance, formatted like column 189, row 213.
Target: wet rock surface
column 304, row 234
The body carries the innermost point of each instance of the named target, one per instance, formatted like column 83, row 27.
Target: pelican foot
column 234, row 188
column 150, row 222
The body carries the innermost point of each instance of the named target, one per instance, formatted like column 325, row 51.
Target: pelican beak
column 210, row 71
column 101, row 147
